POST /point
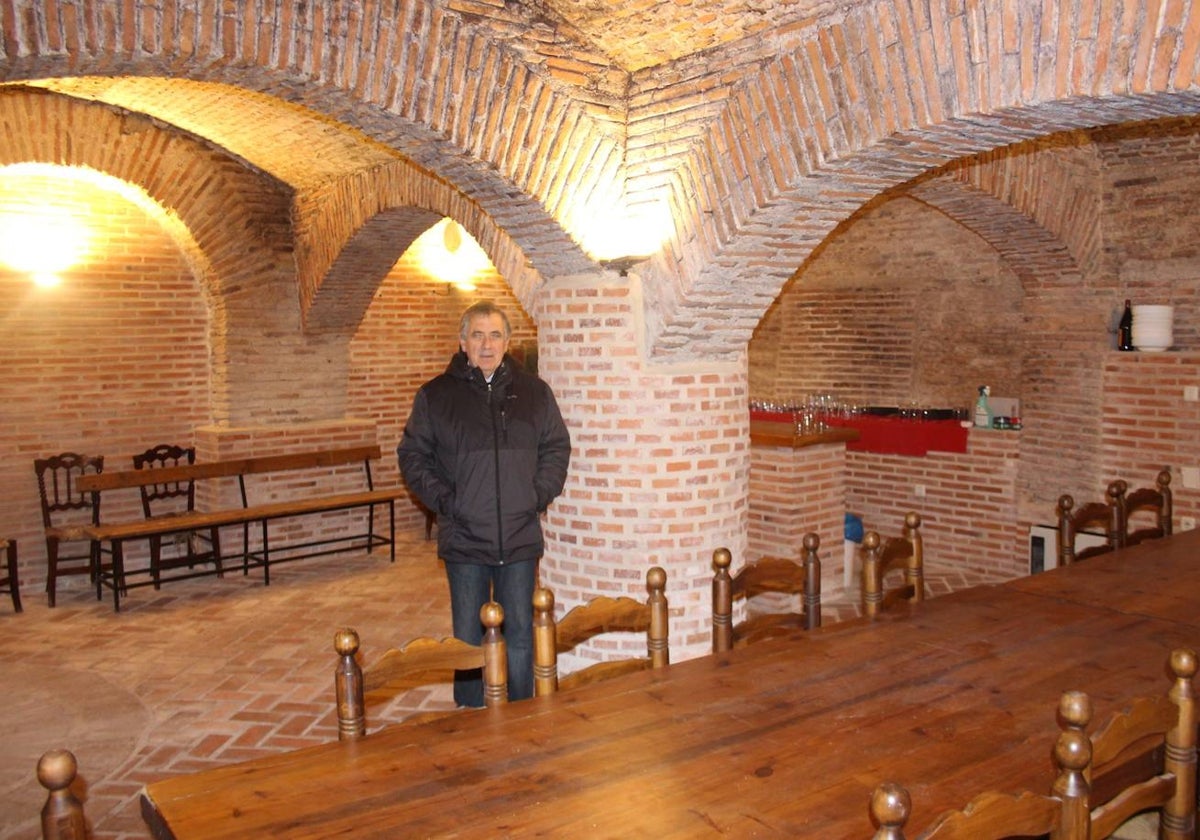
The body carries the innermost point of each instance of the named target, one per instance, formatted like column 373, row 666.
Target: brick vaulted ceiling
column 759, row 125
column 647, row 33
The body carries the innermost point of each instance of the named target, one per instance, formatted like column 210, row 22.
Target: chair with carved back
column 9, row 581
column 1166, row 722
column 905, row 553
column 1156, row 501
column 62, row 815
column 174, row 497
column 65, row 510
column 422, row 661
column 767, row 574
column 994, row 814
column 1097, row 517
column 597, row 617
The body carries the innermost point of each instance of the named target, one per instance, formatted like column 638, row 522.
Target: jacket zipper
column 496, row 457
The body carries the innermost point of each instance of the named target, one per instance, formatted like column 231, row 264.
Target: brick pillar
column 660, row 461
column 794, row 491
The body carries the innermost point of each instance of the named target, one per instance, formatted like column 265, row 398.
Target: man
column 486, row 449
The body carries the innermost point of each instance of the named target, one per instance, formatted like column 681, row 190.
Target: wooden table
column 784, row 738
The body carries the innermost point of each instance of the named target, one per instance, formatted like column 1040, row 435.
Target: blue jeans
column 511, row 585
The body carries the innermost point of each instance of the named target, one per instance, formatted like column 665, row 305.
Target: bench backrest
column 234, row 467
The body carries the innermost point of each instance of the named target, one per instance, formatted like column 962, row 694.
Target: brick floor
column 210, row 671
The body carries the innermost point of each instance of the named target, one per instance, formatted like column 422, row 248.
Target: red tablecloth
column 893, row 434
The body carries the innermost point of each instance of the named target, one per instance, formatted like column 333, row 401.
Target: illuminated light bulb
column 451, row 236
column 42, row 243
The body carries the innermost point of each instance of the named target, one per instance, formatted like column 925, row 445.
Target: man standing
column 486, row 449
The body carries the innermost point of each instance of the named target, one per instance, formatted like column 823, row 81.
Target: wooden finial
column 657, row 642
column 890, row 806
column 812, row 581
column 348, row 687
column 495, row 655
column 722, row 601
column 545, row 656
column 62, row 815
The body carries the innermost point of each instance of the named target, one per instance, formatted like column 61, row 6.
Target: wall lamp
column 623, row 265
column 447, row 254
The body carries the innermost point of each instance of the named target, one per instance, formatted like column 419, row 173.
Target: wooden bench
column 117, row 533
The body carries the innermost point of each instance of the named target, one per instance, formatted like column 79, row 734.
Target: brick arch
column 60, row 130
column 1062, row 345
column 874, row 97
column 538, row 159
column 363, row 223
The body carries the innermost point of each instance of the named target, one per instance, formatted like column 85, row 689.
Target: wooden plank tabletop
column 783, row 738
column 1158, row 578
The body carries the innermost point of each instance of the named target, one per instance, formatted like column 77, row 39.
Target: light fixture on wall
column 622, row 265
column 42, row 244
column 625, row 236
column 446, row 253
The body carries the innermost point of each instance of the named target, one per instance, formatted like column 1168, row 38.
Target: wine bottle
column 1125, row 328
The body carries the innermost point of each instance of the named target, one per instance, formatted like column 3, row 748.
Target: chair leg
column 51, row 568
column 96, row 572
column 13, row 583
column 156, row 560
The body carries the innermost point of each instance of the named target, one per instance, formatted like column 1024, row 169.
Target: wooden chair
column 905, row 552
column 1097, row 516
column 62, row 815
column 174, row 497
column 9, row 581
column 1168, row 721
column 64, row 511
column 768, row 574
column 596, row 617
column 1156, row 500
column 993, row 815
column 421, row 661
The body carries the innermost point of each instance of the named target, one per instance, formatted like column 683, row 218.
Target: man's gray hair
column 483, row 308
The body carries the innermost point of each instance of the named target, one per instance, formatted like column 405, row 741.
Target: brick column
column 660, row 460
column 794, row 491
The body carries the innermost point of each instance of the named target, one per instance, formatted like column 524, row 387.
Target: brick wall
column 967, row 501
column 113, row 361
column 903, row 306
column 794, row 492
column 1148, row 424
column 1090, row 413
column 117, row 359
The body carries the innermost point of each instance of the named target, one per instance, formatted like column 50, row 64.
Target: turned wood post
column 62, row 815
column 495, row 655
column 914, row 570
column 348, row 685
column 812, row 582
column 656, row 639
column 1179, row 815
column 1073, row 755
column 545, row 643
column 722, row 601
column 890, row 805
column 872, row 580
column 1165, row 512
column 1117, row 513
column 1066, row 530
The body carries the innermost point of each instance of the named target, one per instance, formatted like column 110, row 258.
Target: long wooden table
column 783, row 738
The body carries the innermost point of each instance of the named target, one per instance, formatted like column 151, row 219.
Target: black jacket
column 487, row 459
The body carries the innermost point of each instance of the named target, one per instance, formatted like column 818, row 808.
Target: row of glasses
column 810, row 413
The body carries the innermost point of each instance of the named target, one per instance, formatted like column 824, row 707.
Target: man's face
column 485, row 343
